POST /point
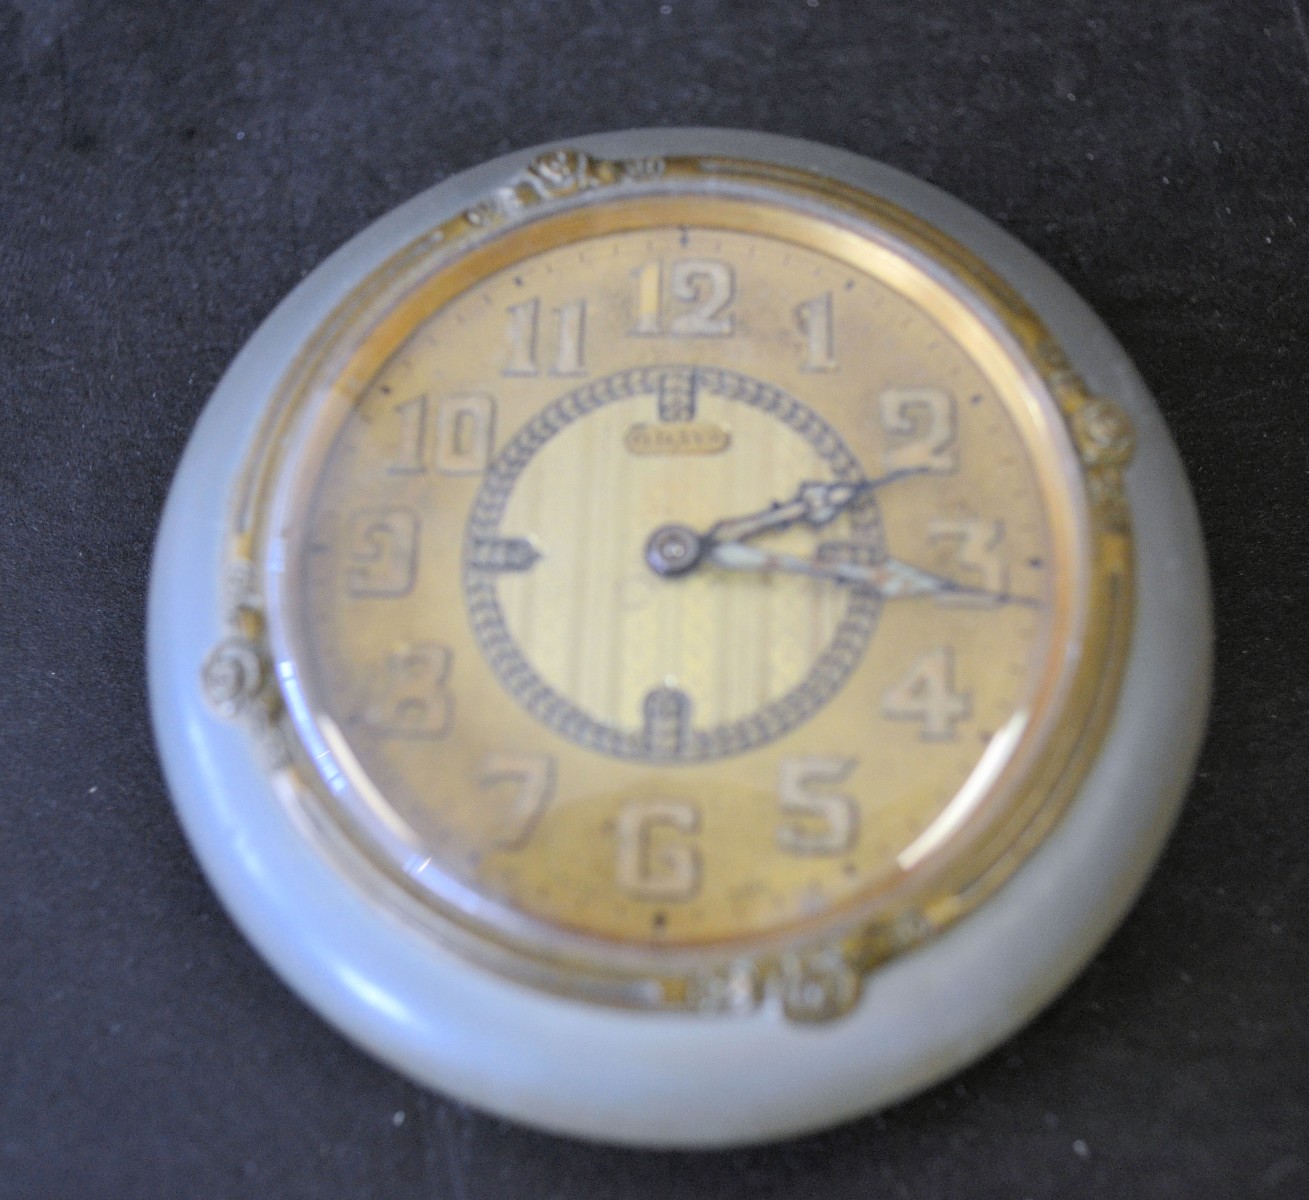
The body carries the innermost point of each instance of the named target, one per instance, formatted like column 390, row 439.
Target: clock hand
column 677, row 549
column 815, row 503
column 890, row 578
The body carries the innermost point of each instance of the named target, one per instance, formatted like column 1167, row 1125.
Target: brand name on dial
column 677, row 437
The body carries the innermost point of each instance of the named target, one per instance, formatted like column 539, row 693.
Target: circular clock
column 679, row 638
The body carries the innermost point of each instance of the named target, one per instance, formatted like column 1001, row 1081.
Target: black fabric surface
column 167, row 173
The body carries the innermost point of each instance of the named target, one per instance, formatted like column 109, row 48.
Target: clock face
column 675, row 574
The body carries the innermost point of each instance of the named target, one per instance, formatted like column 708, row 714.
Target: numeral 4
column 926, row 694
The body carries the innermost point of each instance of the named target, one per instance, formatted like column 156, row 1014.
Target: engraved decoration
column 235, row 677
column 733, row 987
column 554, row 176
column 232, row 676
column 1106, row 441
column 1103, row 433
column 818, row 984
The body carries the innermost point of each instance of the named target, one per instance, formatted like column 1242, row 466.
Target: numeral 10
column 458, row 442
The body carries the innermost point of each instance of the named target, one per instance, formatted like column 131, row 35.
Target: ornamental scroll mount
column 1102, row 431
column 1106, row 441
column 236, row 678
column 557, row 175
column 812, row 985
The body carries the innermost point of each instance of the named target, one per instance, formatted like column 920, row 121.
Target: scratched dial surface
column 675, row 583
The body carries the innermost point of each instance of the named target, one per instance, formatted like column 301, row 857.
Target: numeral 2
column 921, row 425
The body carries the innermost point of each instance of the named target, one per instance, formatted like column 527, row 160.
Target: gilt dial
column 677, row 581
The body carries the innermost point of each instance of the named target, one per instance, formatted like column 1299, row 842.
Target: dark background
column 167, row 173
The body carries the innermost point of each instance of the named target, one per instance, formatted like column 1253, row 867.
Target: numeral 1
column 814, row 317
column 649, row 299
column 411, row 417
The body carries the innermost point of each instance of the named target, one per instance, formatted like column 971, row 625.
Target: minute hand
column 890, row 578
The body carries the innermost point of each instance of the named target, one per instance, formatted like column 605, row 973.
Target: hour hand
column 677, row 549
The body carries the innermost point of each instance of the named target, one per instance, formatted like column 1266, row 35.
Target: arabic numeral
column 822, row 821
column 704, row 286
column 524, row 330
column 921, row 426
column 458, row 442
column 654, row 859
column 926, row 694
column 649, row 299
column 409, row 694
column 383, row 552
column 975, row 546
column 531, row 780
column 411, row 428
column 814, row 318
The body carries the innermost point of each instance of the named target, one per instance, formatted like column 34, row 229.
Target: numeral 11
column 524, row 338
